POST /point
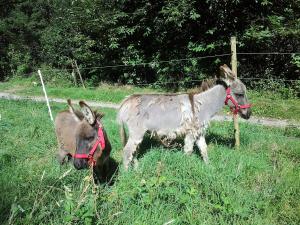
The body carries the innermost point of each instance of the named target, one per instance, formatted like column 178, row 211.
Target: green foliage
column 60, row 46
column 280, row 88
column 105, row 33
column 296, row 60
column 21, row 61
column 80, row 210
column 56, row 78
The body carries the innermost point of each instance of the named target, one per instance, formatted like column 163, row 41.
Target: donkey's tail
column 122, row 117
column 123, row 135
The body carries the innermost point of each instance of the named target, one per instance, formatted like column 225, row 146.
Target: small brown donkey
column 81, row 135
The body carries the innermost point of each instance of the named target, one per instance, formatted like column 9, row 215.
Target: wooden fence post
column 234, row 70
column 74, row 77
column 78, row 71
column 73, row 73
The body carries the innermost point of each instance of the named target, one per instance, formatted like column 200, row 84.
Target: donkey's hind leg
column 201, row 143
column 189, row 142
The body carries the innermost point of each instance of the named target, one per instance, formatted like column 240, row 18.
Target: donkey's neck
column 208, row 103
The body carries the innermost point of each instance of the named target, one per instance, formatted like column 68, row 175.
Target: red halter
column 236, row 107
column 100, row 141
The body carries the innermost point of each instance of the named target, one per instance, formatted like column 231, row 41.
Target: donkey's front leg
column 201, row 143
column 189, row 141
column 62, row 156
column 129, row 150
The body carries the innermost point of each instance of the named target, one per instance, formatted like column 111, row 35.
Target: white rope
column 47, row 100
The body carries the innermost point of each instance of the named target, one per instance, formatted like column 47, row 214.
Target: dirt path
column 253, row 120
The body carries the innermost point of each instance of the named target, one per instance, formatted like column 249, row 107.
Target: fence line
column 269, row 79
column 191, row 81
column 267, row 53
column 153, row 63
column 186, row 81
column 147, row 63
column 184, row 59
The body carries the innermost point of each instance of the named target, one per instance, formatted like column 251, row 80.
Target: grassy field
column 105, row 93
column 265, row 104
column 258, row 184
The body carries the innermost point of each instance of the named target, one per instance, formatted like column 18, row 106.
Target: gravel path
column 254, row 120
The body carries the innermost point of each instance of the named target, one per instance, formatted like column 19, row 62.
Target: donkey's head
column 236, row 93
column 89, row 137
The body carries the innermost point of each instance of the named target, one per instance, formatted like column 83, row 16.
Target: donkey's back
column 154, row 112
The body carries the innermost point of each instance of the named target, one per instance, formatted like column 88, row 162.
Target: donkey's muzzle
column 245, row 113
column 81, row 164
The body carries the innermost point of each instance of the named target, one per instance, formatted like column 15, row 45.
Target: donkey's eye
column 90, row 138
column 239, row 94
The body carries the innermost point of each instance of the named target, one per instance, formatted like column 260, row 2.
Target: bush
column 59, row 78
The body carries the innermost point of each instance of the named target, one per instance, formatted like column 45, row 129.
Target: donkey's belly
column 165, row 115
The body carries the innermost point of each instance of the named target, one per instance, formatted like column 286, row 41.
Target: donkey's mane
column 205, row 85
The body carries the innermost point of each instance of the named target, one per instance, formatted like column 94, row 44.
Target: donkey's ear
column 226, row 74
column 89, row 115
column 72, row 110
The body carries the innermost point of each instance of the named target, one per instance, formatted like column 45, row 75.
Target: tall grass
column 258, row 184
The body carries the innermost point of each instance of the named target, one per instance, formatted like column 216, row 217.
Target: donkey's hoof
column 206, row 161
column 135, row 164
column 126, row 167
column 188, row 153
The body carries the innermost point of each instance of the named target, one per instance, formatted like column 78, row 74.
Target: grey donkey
column 179, row 115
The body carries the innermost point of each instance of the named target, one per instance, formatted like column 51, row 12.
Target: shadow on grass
column 149, row 143
column 108, row 174
column 105, row 175
column 220, row 140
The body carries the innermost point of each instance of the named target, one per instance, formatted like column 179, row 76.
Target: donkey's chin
column 80, row 164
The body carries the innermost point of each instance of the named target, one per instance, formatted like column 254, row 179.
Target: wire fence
column 267, row 53
column 153, row 63
column 186, row 81
column 199, row 81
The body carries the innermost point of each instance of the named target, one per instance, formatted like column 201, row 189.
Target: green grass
column 270, row 104
column 104, row 93
column 265, row 104
column 258, row 184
